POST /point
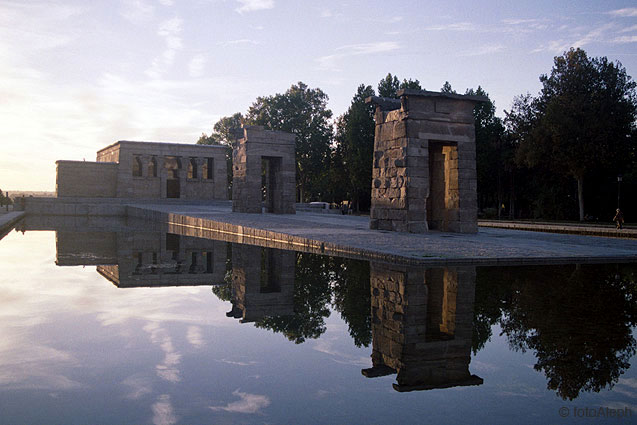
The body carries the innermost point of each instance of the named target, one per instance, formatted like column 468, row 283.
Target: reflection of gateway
column 262, row 282
column 422, row 326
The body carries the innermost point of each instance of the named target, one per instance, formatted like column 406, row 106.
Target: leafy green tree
column 223, row 134
column 586, row 109
column 389, row 86
column 446, row 88
column 493, row 153
column 302, row 111
column 355, row 141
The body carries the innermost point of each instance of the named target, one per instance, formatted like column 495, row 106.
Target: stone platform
column 350, row 236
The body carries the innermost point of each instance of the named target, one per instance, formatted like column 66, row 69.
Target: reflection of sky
column 79, row 348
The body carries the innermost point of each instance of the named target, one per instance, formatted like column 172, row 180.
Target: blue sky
column 76, row 76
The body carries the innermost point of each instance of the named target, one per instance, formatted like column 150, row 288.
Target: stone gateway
column 424, row 164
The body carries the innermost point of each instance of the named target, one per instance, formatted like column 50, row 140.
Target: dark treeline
column 556, row 155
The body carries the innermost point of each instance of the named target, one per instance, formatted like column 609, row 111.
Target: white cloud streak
column 627, row 12
column 248, row 403
column 254, row 5
column 163, row 412
column 330, row 61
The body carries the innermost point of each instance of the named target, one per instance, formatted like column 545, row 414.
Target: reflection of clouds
column 238, row 363
column 325, row 345
column 322, row 394
column 194, row 336
column 32, row 366
column 139, row 386
column 249, row 403
column 163, row 411
column 168, row 368
column 479, row 366
column 627, row 387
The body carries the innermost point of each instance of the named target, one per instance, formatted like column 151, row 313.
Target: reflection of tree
column 223, row 291
column 352, row 298
column 578, row 320
column 311, row 297
column 493, row 295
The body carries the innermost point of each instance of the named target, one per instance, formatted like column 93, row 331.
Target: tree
column 389, row 86
column 355, row 142
column 222, row 134
column 583, row 115
column 302, row 111
column 492, row 153
column 446, row 88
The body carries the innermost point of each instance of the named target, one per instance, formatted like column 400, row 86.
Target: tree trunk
column 580, row 196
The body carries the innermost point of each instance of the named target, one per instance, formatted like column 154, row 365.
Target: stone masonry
column 422, row 322
column 262, row 282
column 424, row 165
column 264, row 171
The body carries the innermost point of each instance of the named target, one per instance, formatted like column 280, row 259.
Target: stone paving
column 489, row 245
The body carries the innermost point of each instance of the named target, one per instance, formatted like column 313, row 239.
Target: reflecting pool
column 114, row 324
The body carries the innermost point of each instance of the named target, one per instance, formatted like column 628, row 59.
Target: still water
column 117, row 327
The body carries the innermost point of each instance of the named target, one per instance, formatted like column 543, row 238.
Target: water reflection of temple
column 166, row 259
column 262, row 282
column 422, row 326
column 134, row 259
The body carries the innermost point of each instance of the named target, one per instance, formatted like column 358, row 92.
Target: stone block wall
column 86, row 179
column 273, row 151
column 161, row 165
column 422, row 321
column 424, row 171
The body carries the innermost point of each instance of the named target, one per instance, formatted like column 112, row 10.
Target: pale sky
column 76, row 76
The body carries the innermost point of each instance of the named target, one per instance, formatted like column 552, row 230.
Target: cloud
column 629, row 29
column 329, row 61
column 254, row 5
column 455, row 26
column 238, row 42
column 625, row 39
column 170, row 31
column 595, row 35
column 194, row 336
column 553, row 46
column 137, row 12
column 248, row 403
column 139, row 386
column 196, row 66
column 163, row 413
column 167, row 2
column 624, row 13
column 167, row 369
column 486, row 49
column 237, row 363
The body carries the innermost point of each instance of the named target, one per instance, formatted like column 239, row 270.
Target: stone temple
column 424, row 165
column 147, row 170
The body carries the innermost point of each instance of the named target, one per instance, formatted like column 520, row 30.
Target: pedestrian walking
column 619, row 219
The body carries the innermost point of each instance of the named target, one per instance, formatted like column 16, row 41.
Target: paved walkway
column 351, row 235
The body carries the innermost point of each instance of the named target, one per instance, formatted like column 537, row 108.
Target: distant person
column 344, row 208
column 619, row 219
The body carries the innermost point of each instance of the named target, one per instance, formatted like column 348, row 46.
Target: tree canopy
column 580, row 120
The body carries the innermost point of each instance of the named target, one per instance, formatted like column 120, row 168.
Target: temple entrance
column 271, row 183
column 173, row 185
column 442, row 203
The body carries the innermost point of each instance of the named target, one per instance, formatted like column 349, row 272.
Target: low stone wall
column 89, row 179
